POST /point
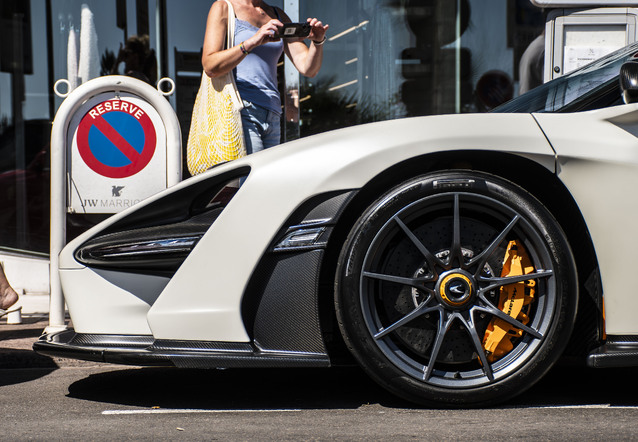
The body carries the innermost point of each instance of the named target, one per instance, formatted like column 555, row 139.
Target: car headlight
column 160, row 236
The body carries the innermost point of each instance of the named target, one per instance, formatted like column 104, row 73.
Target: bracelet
column 319, row 43
column 243, row 49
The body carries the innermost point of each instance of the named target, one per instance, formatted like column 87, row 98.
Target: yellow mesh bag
column 216, row 133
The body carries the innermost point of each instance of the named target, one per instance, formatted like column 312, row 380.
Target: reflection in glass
column 137, row 58
column 387, row 59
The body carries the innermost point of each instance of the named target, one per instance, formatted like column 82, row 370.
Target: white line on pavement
column 191, row 411
column 592, row 406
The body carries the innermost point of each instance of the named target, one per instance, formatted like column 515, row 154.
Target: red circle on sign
column 94, row 118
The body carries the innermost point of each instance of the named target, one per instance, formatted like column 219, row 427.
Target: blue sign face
column 114, row 151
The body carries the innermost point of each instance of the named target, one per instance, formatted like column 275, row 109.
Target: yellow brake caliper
column 497, row 341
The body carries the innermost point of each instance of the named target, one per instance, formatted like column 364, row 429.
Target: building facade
column 384, row 59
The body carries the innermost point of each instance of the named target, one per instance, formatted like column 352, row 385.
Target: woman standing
column 254, row 58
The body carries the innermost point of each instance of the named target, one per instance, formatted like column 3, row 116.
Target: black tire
column 419, row 284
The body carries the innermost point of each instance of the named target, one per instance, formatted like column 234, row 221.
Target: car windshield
column 591, row 87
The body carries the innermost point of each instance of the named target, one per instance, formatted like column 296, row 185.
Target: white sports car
column 456, row 258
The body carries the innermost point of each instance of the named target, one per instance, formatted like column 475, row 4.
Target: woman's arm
column 306, row 59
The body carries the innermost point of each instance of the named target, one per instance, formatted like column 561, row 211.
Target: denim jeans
column 261, row 128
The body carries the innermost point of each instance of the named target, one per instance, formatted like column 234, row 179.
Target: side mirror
column 629, row 81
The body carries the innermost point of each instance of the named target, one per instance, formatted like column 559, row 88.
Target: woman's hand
column 264, row 35
column 317, row 30
column 306, row 59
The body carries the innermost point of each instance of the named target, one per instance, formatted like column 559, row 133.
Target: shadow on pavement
column 234, row 389
column 19, row 333
column 17, row 355
column 11, row 358
column 13, row 377
column 568, row 385
column 340, row 388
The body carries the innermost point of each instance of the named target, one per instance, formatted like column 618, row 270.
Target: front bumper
column 146, row 351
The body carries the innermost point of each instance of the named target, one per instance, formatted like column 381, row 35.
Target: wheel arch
column 542, row 183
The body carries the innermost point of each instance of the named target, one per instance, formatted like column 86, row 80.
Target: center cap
column 455, row 288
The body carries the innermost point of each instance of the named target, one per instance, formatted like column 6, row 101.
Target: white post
column 58, row 218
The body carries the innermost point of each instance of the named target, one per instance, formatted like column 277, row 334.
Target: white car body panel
column 206, row 291
column 598, row 162
column 129, row 300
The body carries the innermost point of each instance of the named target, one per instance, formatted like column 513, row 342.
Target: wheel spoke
column 456, row 252
column 482, row 257
column 436, row 348
column 417, row 283
column 419, row 311
column 429, row 256
column 478, row 345
column 494, row 283
column 507, row 318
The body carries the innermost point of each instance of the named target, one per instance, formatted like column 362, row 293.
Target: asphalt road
column 90, row 402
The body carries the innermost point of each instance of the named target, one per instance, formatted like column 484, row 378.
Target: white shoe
column 12, row 309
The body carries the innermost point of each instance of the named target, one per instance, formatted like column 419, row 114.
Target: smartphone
column 293, row 30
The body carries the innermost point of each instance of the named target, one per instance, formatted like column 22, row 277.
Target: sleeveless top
column 256, row 75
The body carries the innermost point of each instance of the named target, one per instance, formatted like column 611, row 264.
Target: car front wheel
column 457, row 288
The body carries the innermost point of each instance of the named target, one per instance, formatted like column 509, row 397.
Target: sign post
column 115, row 141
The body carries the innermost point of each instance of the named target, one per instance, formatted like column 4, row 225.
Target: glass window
column 372, row 66
column 389, row 59
column 25, row 126
column 94, row 38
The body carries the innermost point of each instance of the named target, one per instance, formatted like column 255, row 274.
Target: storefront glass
column 384, row 59
column 399, row 58
column 23, row 126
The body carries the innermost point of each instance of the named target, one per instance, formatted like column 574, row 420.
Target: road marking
column 193, row 411
column 289, row 410
column 593, row 406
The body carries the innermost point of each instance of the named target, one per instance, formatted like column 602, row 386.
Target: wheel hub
column 455, row 289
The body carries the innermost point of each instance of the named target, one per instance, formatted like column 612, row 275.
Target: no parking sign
column 118, row 153
column 116, row 139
